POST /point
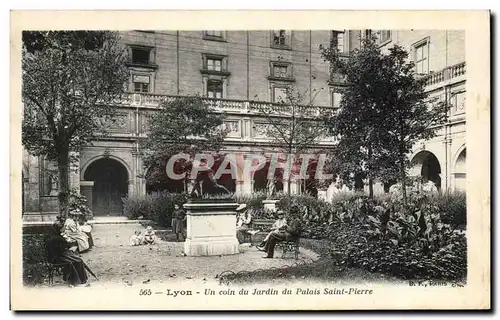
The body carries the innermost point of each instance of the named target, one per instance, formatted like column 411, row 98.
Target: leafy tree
column 357, row 123
column 294, row 127
column 182, row 125
column 69, row 81
column 384, row 112
column 410, row 116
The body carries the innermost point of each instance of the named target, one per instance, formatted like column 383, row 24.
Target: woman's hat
column 241, row 207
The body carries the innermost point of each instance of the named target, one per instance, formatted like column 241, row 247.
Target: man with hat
column 279, row 225
column 243, row 220
column 290, row 231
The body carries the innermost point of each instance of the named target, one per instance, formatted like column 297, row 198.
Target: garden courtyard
column 114, row 261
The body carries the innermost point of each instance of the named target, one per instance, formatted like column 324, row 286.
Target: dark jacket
column 294, row 227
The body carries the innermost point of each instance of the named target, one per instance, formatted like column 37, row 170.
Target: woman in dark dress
column 58, row 252
column 178, row 218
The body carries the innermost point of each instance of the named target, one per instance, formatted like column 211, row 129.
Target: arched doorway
column 110, row 179
column 426, row 165
column 460, row 172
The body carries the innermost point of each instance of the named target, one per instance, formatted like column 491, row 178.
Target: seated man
column 291, row 232
column 278, row 226
column 242, row 222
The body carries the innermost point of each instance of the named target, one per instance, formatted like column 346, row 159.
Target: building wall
column 248, row 53
column 446, row 47
column 178, row 59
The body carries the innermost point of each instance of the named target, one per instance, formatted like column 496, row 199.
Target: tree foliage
column 384, row 111
column 184, row 125
column 70, row 80
column 293, row 127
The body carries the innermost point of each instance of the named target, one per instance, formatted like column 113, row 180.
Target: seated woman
column 279, row 225
column 74, row 268
column 243, row 220
column 72, row 233
column 84, row 226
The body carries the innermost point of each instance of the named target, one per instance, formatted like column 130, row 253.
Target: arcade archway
column 460, row 171
column 425, row 165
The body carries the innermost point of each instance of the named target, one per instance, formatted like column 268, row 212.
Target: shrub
column 158, row 209
column 79, row 202
column 253, row 200
column 453, row 207
column 411, row 242
column 34, row 268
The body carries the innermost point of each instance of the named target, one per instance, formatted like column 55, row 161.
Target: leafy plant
column 79, row 202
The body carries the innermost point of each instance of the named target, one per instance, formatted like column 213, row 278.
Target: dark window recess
column 214, row 33
column 141, row 87
column 279, row 38
column 214, row 89
column 140, row 56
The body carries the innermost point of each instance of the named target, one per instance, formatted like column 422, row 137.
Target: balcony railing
column 225, row 105
column 445, row 74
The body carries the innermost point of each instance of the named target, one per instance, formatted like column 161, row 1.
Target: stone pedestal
column 211, row 229
column 86, row 190
column 270, row 205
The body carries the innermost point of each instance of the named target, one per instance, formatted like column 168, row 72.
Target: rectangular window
column 214, row 89
column 280, row 71
column 421, row 57
column 141, row 83
column 281, row 39
column 141, row 55
column 383, row 36
column 279, row 94
column 338, row 40
column 214, row 64
column 214, row 33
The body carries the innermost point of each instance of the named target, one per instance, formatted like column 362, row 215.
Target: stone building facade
column 235, row 71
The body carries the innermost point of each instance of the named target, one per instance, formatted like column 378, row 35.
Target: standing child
column 178, row 217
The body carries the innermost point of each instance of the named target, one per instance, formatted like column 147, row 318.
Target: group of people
column 76, row 231
column 140, row 238
column 281, row 230
column 67, row 238
column 149, row 236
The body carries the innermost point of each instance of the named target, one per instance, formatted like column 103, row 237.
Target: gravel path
column 114, row 261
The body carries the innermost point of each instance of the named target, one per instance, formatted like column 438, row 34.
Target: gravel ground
column 114, row 261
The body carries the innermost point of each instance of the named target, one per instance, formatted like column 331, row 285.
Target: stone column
column 86, row 190
column 74, row 171
column 239, row 187
column 294, row 186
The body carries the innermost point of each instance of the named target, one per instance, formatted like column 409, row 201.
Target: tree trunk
column 403, row 181
column 370, row 188
column 370, row 181
column 63, row 167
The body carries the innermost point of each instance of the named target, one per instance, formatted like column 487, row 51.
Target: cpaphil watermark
column 242, row 166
